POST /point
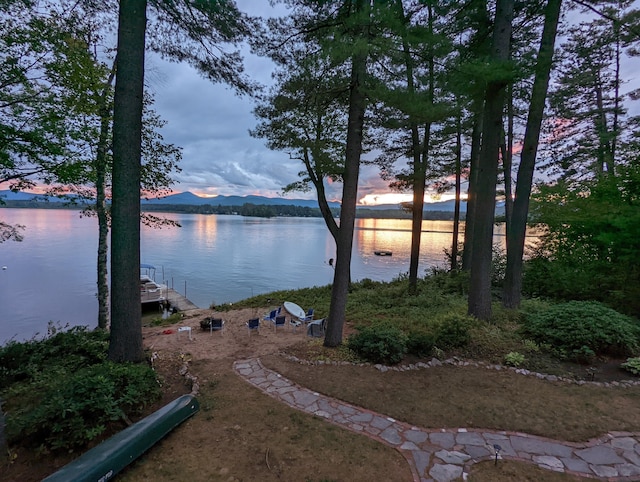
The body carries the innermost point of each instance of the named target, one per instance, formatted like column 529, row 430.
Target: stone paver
column 442, row 455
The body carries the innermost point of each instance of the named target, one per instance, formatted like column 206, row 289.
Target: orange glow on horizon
column 397, row 198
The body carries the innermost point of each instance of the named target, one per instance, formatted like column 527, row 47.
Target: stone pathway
column 444, row 455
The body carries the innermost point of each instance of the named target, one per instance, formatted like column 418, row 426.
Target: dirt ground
column 239, row 433
column 233, row 343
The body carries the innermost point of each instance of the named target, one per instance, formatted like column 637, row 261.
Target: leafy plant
column 582, row 329
column 514, row 359
column 454, row 332
column 420, row 344
column 72, row 349
column 60, row 393
column 379, row 343
column 530, row 345
column 632, row 365
column 67, row 412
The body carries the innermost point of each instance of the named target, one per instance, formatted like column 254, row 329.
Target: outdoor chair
column 316, row 328
column 216, row 324
column 253, row 324
column 308, row 317
column 271, row 315
column 278, row 321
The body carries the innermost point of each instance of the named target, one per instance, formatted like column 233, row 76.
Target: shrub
column 454, row 332
column 420, row 344
column 379, row 343
column 66, row 412
column 72, row 349
column 582, row 329
column 632, row 365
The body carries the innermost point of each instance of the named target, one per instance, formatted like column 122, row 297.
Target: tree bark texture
column 101, row 203
column 126, row 329
column 476, row 138
column 512, row 290
column 342, row 272
column 479, row 303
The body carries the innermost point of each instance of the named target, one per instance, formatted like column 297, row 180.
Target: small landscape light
column 497, row 448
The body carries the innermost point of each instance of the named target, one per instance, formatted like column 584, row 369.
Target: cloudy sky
column 211, row 123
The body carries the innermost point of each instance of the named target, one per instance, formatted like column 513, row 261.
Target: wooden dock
column 181, row 303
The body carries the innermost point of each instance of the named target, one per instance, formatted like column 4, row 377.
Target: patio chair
column 278, row 321
column 308, row 317
column 316, row 328
column 271, row 315
column 216, row 324
column 253, row 324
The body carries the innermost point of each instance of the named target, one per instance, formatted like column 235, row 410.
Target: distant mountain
column 188, row 198
column 27, row 196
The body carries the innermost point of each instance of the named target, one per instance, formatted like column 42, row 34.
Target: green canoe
column 104, row 461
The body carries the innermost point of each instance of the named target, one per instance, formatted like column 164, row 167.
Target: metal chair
column 308, row 317
column 253, row 324
column 271, row 315
column 278, row 321
column 216, row 324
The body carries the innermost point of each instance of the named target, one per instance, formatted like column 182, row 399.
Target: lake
column 50, row 276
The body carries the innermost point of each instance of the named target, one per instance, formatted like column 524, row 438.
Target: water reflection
column 51, row 275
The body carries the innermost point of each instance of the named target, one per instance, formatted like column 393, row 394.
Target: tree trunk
column 458, row 187
column 476, row 139
column 101, row 205
column 321, row 196
column 479, row 304
column 512, row 290
column 126, row 329
column 420, row 156
column 341, row 276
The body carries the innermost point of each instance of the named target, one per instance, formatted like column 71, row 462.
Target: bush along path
column 445, row 455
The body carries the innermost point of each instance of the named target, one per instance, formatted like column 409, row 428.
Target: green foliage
column 514, row 359
column 591, row 233
column 420, row 344
column 169, row 320
column 581, row 329
column 70, row 349
column 66, row 412
column 379, row 343
column 61, row 393
column 453, row 282
column 454, row 331
column 632, row 365
column 530, row 345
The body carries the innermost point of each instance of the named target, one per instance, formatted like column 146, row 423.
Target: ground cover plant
column 583, row 329
column 61, row 394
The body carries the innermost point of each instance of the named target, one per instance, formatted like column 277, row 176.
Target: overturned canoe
column 382, row 252
column 104, row 461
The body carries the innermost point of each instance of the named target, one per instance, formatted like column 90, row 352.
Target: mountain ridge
column 189, row 198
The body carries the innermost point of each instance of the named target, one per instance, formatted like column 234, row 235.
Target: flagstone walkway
column 444, row 455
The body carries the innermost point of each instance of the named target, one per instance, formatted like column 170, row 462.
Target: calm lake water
column 50, row 276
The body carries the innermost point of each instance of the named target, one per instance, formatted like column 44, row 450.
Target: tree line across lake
column 248, row 209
